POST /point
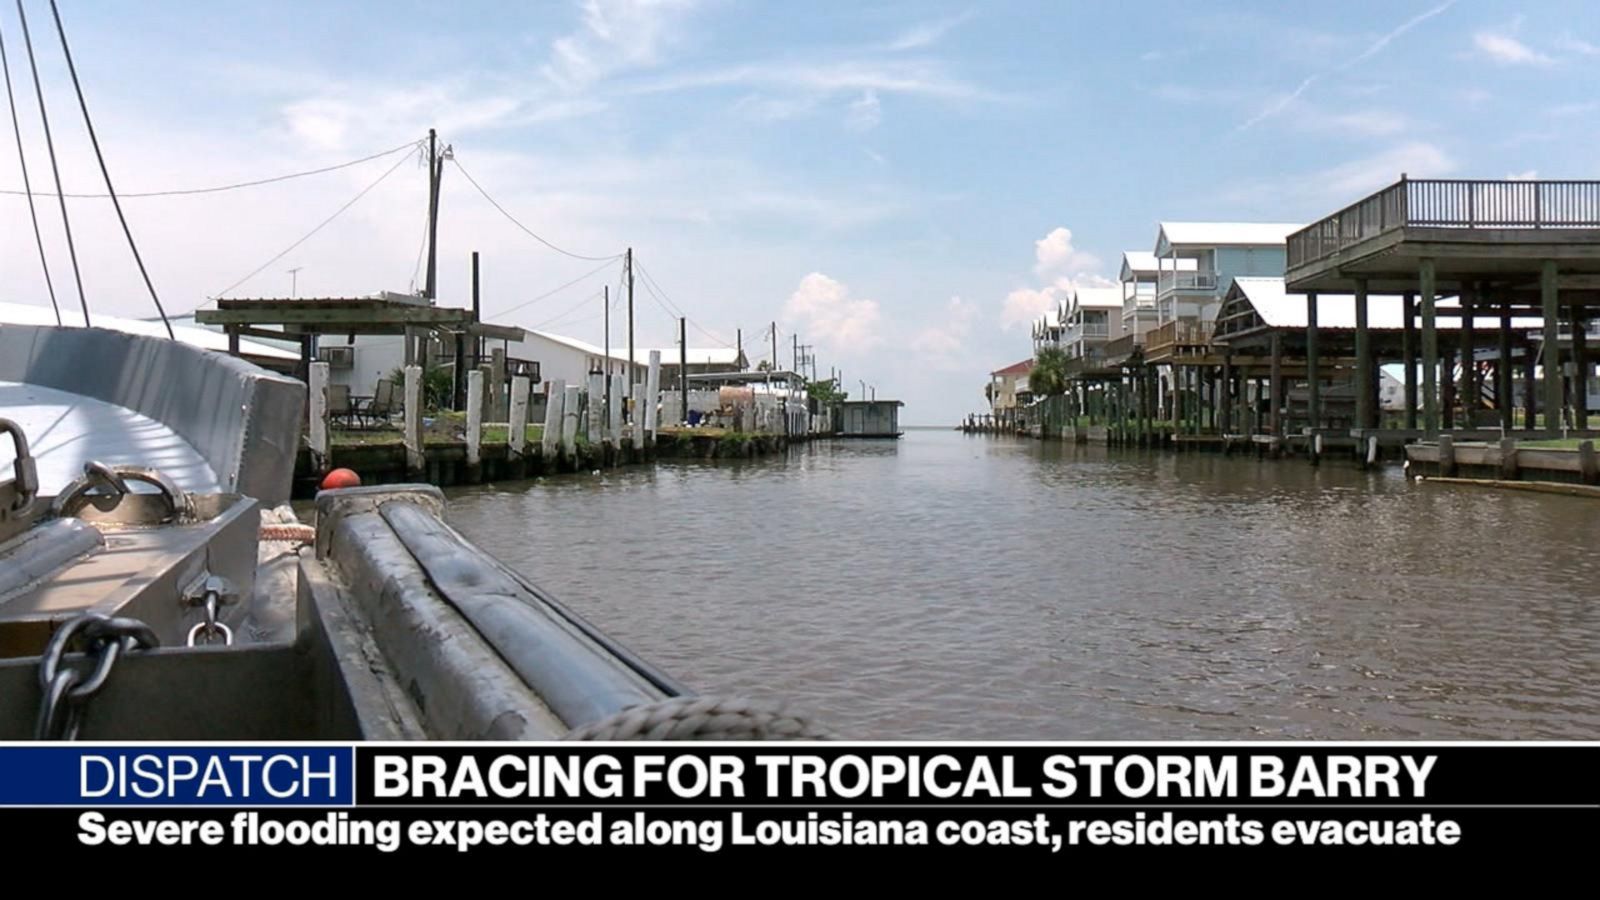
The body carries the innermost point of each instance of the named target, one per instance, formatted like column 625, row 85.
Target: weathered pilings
column 474, row 436
column 555, row 399
column 412, row 436
column 517, row 424
column 317, row 414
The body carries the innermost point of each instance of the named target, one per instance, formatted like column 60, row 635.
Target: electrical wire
column 567, row 312
column 651, row 286
column 55, row 167
column 308, row 235
column 22, row 159
column 184, row 192
column 530, row 232
column 584, row 277
column 105, row 173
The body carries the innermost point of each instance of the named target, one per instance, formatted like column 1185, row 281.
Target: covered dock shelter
column 307, row 320
column 1509, row 251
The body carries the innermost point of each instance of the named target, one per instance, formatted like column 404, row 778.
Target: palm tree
column 1049, row 375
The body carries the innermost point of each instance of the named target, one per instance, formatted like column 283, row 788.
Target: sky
column 904, row 186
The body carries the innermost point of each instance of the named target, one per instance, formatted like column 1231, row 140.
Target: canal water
column 953, row 586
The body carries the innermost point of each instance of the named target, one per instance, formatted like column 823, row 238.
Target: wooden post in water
column 517, row 422
column 1313, row 358
column 617, row 389
column 474, row 420
column 317, row 416
column 1502, row 373
column 1580, row 365
column 569, row 421
column 1366, row 366
column 1275, row 422
column 555, row 399
column 638, row 417
column 1552, row 346
column 1530, row 390
column 1588, row 466
column 1408, row 354
column 413, row 433
column 652, row 393
column 593, row 421
column 496, row 409
column 1430, row 350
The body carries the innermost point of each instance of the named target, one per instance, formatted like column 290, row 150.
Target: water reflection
column 948, row 586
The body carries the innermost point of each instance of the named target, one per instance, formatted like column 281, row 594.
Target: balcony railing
column 1121, row 347
column 1442, row 203
column 1180, row 332
column 1186, row 281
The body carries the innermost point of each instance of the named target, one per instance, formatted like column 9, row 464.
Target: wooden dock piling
column 554, row 402
column 415, row 459
column 571, row 397
column 517, row 422
column 317, row 417
column 474, row 419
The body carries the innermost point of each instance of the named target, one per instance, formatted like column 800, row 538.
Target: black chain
column 65, row 691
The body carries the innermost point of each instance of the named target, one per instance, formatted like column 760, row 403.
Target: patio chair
column 382, row 405
column 340, row 409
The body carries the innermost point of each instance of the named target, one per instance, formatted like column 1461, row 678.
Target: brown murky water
column 948, row 586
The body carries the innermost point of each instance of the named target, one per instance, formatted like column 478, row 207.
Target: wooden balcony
column 1179, row 333
column 1120, row 349
column 1441, row 211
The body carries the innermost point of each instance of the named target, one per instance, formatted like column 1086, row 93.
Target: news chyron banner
column 1033, row 801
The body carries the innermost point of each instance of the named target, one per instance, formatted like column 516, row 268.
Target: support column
column 1366, row 390
column 1580, row 364
column 1313, row 371
column 1530, row 390
column 1225, row 405
column 1552, row 345
column 1467, row 390
column 1408, row 355
column 1502, row 372
column 1430, row 351
column 1275, row 419
column 1447, row 387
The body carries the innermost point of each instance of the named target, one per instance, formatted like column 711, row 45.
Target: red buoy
column 340, row 478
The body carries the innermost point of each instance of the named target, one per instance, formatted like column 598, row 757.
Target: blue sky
column 901, row 184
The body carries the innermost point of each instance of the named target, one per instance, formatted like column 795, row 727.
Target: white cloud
column 1024, row 305
column 1373, row 49
column 926, row 34
column 1507, row 50
column 1578, row 45
column 822, row 307
column 1418, row 159
column 1530, row 175
column 1054, row 253
column 947, row 337
column 614, row 35
column 865, row 111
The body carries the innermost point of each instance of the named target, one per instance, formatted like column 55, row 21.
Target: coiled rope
column 702, row 719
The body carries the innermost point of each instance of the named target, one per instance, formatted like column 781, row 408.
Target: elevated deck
column 1472, row 230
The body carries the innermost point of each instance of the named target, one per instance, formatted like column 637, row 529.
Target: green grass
column 1555, row 444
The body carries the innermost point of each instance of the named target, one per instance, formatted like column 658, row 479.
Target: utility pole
column 683, row 364
column 434, row 171
column 631, row 379
column 738, row 338
column 774, row 346
column 477, row 313
column 606, row 299
column 294, row 281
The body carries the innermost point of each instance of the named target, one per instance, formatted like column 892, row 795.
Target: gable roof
column 1144, row 262
column 1097, row 297
column 1224, row 234
column 1017, row 368
column 718, row 356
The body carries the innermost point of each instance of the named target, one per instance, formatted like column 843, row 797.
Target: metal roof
column 1098, row 297
column 717, row 356
column 1143, row 262
column 1279, row 309
column 1225, row 234
column 1016, row 368
column 204, row 338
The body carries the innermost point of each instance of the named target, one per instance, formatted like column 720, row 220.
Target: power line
column 184, row 192
column 569, row 311
column 651, row 285
column 308, row 235
column 513, row 220
column 105, row 173
column 22, row 158
column 55, row 167
column 550, row 293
